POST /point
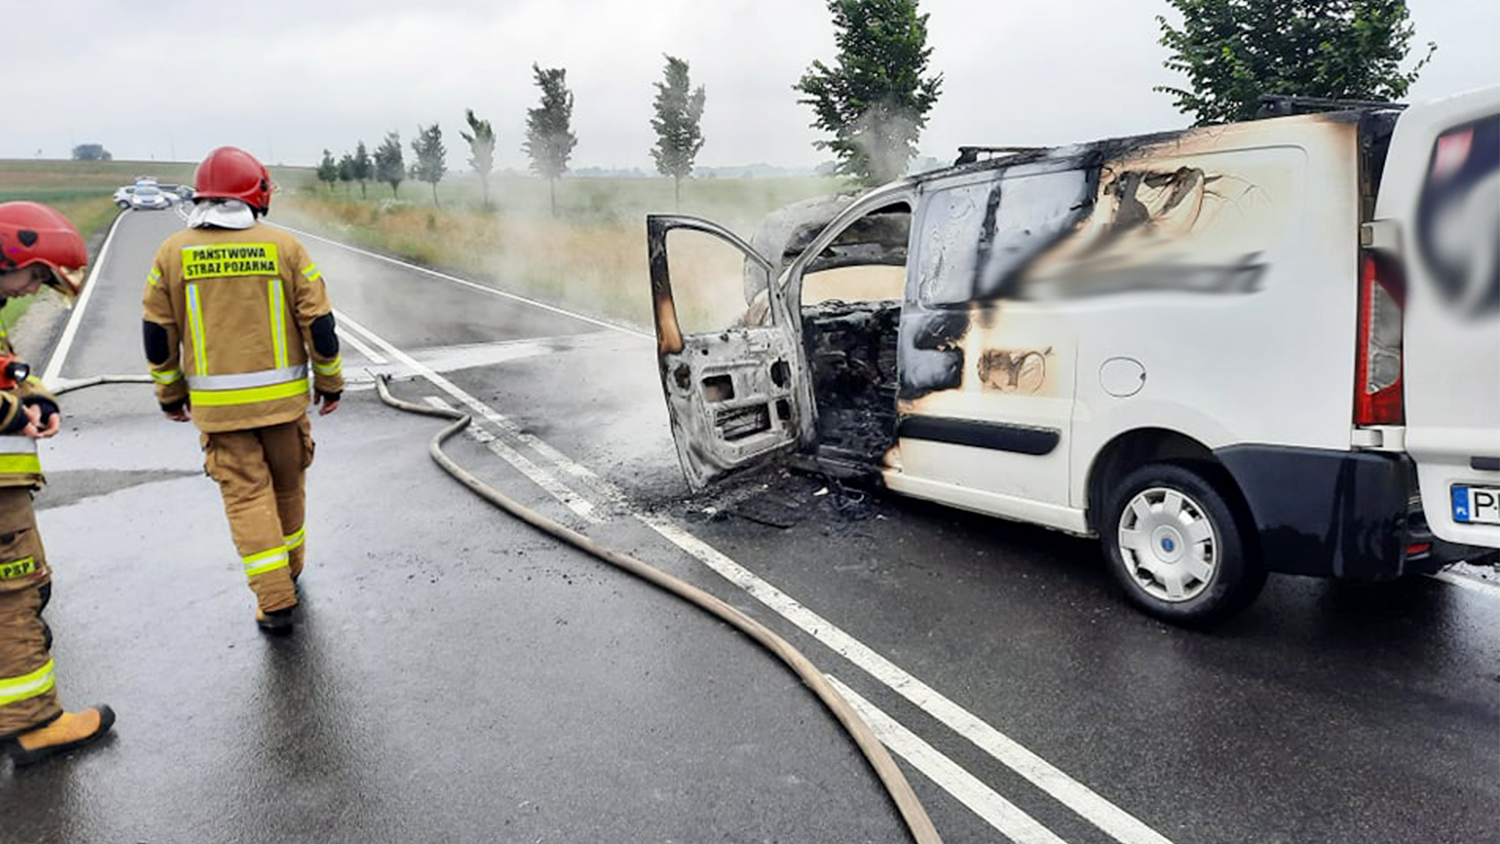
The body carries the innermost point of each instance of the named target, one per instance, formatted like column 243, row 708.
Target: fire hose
column 895, row 783
column 890, row 775
column 70, row 386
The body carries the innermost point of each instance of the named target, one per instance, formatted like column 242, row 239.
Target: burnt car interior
column 851, row 309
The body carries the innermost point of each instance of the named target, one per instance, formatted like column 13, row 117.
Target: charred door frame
column 759, row 368
column 903, row 192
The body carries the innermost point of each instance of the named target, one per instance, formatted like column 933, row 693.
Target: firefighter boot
column 69, row 731
column 275, row 622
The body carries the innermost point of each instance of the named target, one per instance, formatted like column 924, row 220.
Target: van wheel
column 1174, row 545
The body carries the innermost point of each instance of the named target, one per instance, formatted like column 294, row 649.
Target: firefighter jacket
column 245, row 317
column 19, row 464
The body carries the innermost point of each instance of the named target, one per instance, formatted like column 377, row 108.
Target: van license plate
column 1476, row 504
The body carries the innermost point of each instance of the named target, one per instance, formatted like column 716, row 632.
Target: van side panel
column 1266, row 354
column 1202, row 283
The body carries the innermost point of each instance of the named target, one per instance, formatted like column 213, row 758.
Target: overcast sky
column 171, row 79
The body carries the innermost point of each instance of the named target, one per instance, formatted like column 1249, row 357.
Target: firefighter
column 236, row 317
column 37, row 246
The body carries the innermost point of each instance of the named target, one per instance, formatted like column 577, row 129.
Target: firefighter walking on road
column 235, row 315
column 37, row 246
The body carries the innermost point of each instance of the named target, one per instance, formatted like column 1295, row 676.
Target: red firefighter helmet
column 32, row 233
column 232, row 173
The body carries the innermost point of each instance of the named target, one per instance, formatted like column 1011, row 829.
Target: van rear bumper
column 1346, row 514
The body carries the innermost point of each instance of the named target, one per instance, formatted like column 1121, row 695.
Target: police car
column 146, row 195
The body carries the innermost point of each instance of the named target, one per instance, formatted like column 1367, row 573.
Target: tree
column 549, row 136
column 328, row 169
column 91, row 152
column 875, row 100
column 1233, row 51
column 481, row 150
column 346, row 170
column 679, row 109
column 390, row 166
column 364, row 169
column 431, row 157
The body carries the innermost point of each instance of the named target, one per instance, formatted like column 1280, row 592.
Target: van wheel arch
column 1131, row 450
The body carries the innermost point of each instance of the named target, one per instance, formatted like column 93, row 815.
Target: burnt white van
column 1270, row 346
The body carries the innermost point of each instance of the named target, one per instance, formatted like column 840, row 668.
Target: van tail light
column 1377, row 370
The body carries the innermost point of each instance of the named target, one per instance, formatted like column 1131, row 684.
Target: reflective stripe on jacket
column 19, row 464
column 237, row 306
column 18, row 456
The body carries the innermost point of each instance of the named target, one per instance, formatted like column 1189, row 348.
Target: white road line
column 64, row 343
column 982, row 800
column 479, row 287
column 1113, row 820
column 1473, row 584
column 374, row 356
column 537, row 474
column 1120, row 825
column 572, row 500
column 487, row 413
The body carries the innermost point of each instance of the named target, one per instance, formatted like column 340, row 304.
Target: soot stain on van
column 932, row 352
column 1010, row 371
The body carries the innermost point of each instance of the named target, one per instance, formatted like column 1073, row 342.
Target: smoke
column 883, row 141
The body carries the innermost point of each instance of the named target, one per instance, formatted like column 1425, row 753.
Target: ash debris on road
column 782, row 498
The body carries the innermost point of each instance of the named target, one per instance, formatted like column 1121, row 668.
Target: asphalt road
column 460, row 677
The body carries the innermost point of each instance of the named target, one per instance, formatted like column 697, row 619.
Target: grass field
column 590, row 255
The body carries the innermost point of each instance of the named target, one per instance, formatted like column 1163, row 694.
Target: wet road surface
column 459, row 677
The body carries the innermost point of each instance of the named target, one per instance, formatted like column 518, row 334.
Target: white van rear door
column 1439, row 213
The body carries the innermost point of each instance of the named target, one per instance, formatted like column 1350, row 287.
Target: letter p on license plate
column 1476, row 504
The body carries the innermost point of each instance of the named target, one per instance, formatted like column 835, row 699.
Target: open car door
column 733, row 371
column 1439, row 210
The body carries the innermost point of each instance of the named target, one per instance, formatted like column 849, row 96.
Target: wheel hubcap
column 1168, row 543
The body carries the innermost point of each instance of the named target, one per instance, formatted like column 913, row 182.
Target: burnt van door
column 731, row 363
column 1438, row 225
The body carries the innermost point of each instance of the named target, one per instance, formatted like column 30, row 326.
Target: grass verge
column 590, row 256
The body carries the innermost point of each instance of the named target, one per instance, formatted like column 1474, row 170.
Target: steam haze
column 171, row 80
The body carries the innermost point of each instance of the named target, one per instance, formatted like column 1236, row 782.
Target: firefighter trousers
column 261, row 474
column 28, row 693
